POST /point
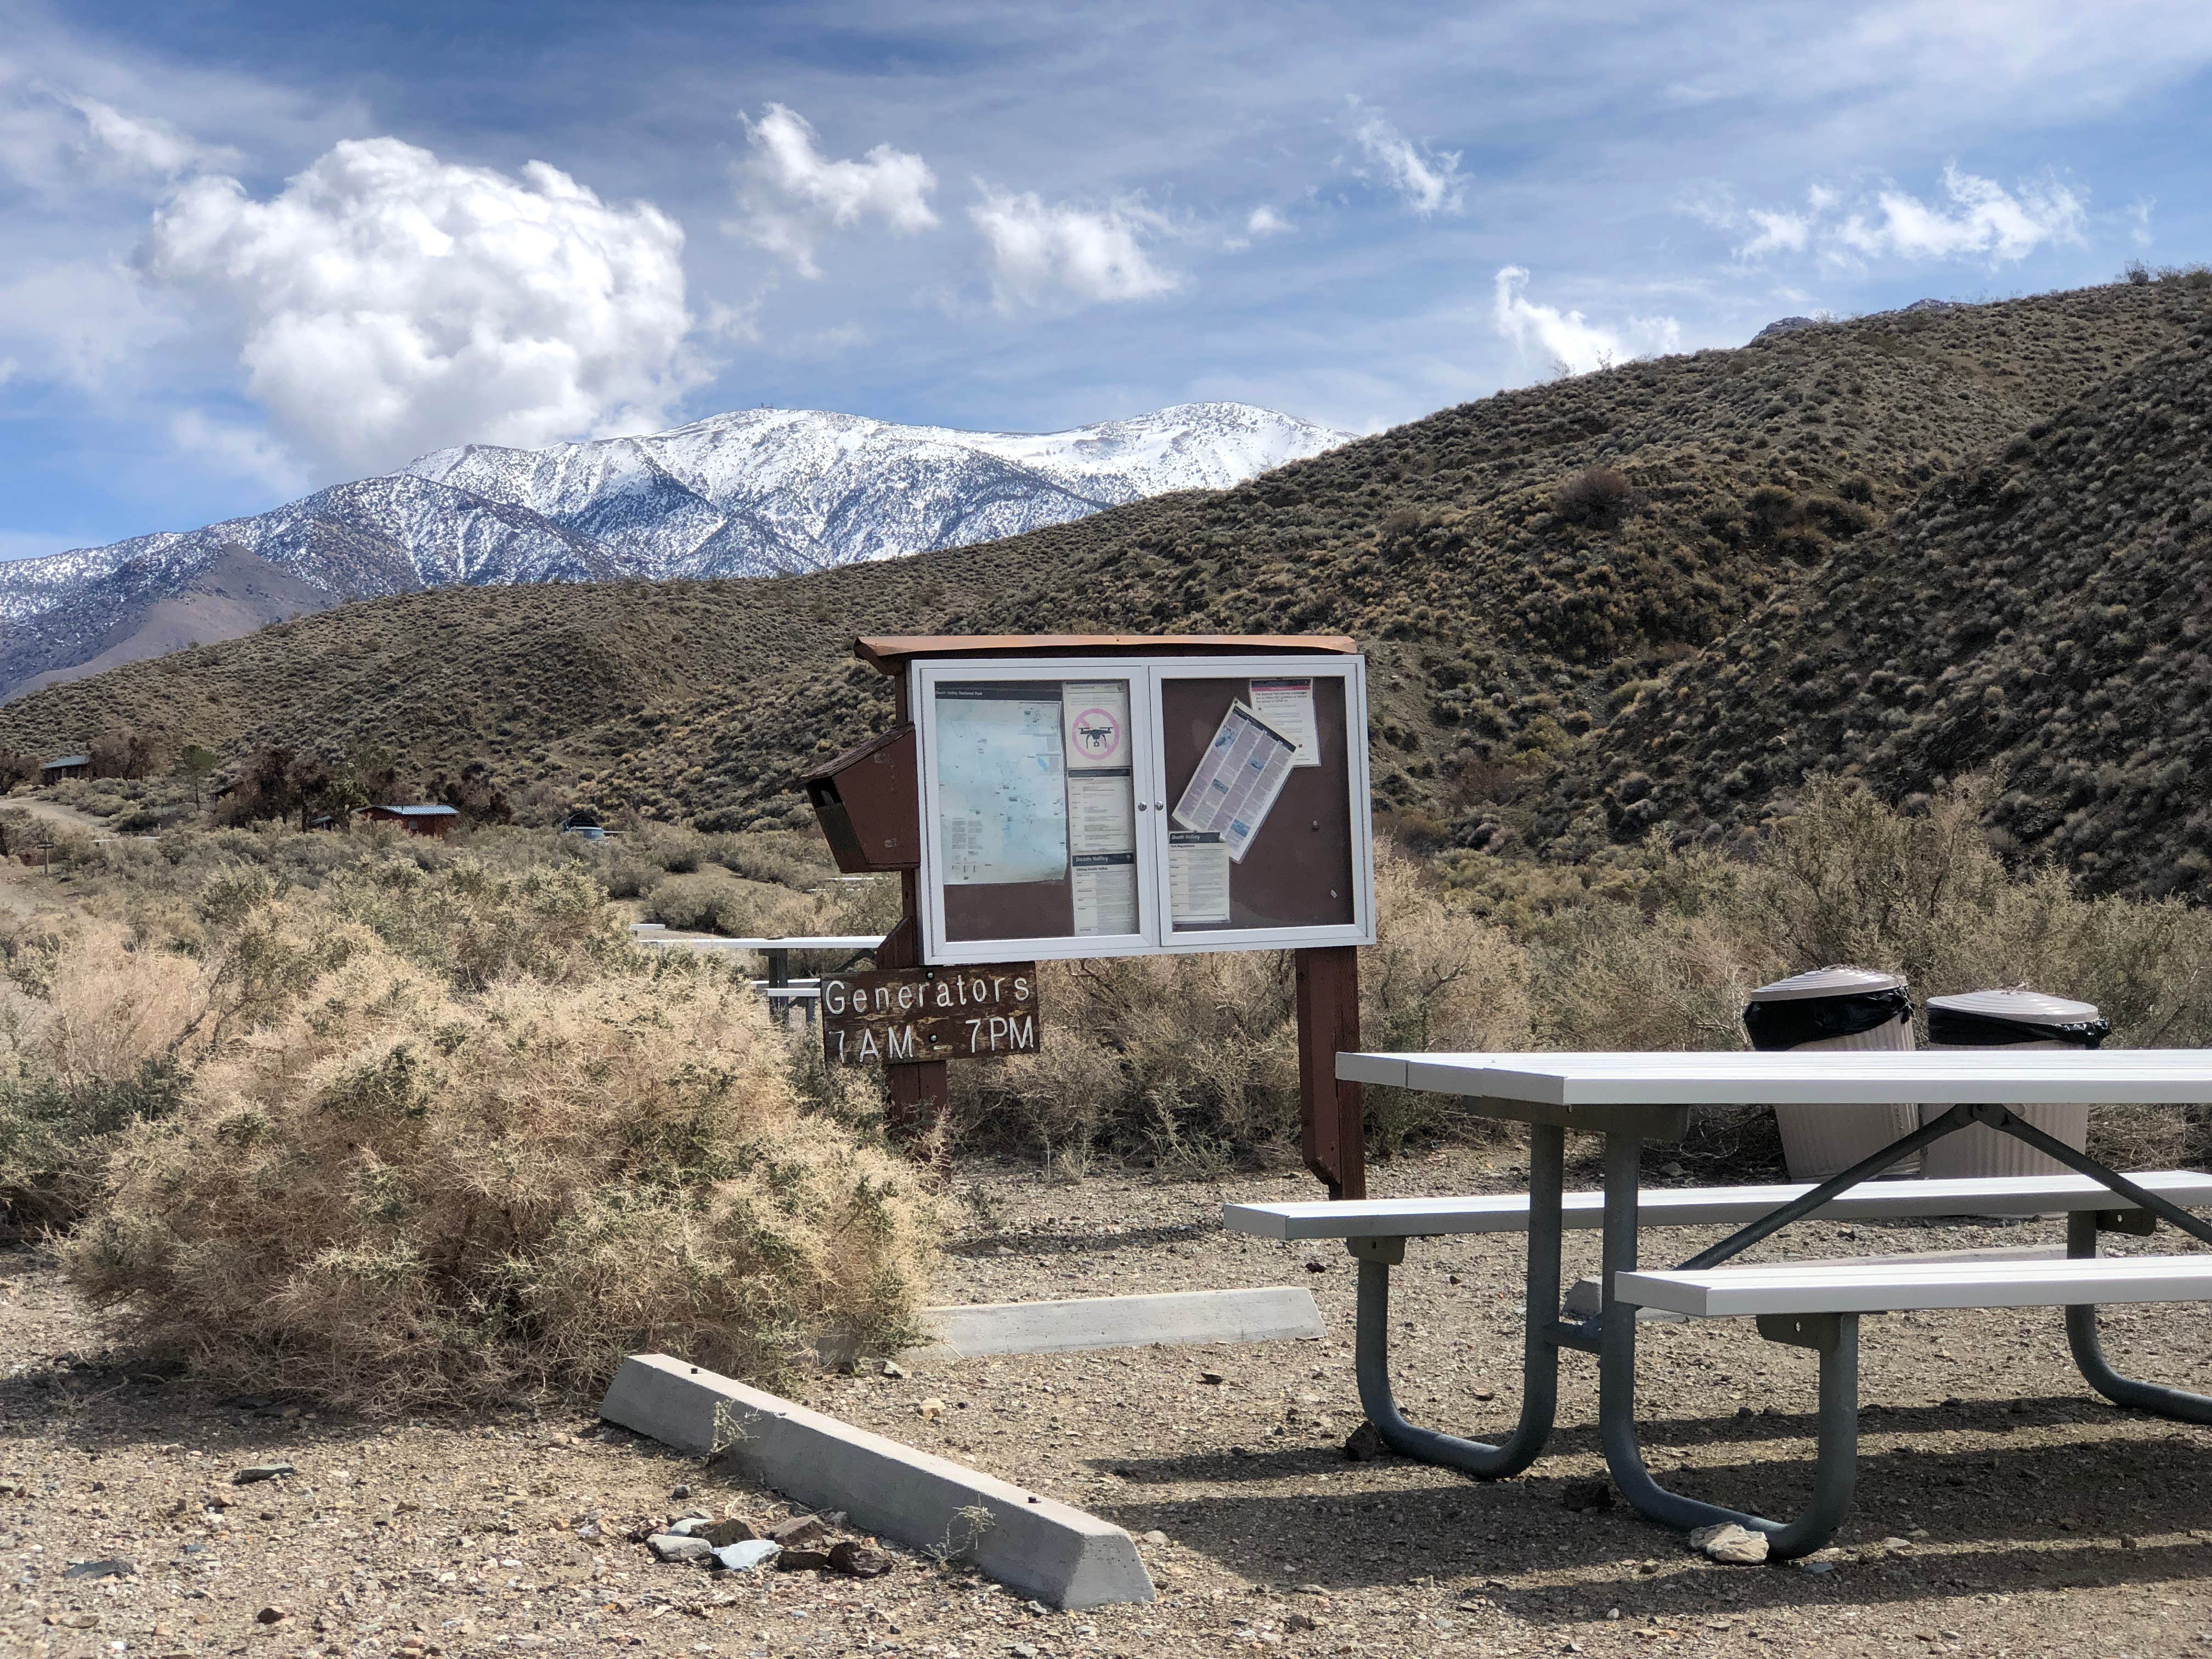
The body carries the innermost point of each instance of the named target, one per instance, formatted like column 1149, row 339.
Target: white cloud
column 55, row 141
column 1778, row 233
column 1264, row 221
column 791, row 191
column 85, row 323
column 145, row 143
column 241, row 452
column 2139, row 213
column 1565, row 341
column 1977, row 218
column 386, row 302
column 1428, row 180
column 1039, row 253
column 1983, row 219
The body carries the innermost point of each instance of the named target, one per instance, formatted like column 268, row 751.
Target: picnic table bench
column 1629, row 1099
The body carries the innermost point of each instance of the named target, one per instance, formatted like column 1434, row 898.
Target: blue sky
column 246, row 250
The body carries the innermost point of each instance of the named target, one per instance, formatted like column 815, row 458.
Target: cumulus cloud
column 386, row 302
column 792, row 192
column 1041, row 253
column 1566, row 342
column 1974, row 218
column 1428, row 180
column 1264, row 221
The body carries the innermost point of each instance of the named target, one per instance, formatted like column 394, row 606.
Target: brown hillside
column 2044, row 613
column 1508, row 612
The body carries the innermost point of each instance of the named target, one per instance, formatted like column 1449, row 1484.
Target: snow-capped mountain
column 779, row 490
column 751, row 493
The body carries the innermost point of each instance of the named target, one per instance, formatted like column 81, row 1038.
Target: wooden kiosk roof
column 888, row 653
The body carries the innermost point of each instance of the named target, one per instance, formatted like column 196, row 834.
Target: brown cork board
column 1298, row 872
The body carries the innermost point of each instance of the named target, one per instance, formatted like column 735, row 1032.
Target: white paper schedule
column 1198, row 878
column 1102, row 813
column 1288, row 706
column 1238, row 777
column 1105, row 891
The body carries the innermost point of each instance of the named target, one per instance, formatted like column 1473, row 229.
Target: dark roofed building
column 69, row 766
column 417, row 820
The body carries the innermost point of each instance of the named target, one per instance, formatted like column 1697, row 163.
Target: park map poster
column 1002, row 783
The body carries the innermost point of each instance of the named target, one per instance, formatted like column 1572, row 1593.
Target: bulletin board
column 1299, row 870
column 1116, row 807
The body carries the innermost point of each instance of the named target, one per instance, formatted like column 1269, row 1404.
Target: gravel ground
column 2002, row 1509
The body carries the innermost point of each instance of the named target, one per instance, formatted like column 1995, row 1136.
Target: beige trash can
column 1834, row 1008
column 2018, row 1018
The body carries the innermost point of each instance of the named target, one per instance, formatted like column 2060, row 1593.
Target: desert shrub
column 95, row 1035
column 399, row 1194
column 1595, row 495
column 714, row 903
column 624, row 874
column 473, row 926
column 869, row 905
column 778, row 856
column 1192, row 1061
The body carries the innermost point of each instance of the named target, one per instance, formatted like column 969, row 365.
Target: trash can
column 2018, row 1018
column 1836, row 1008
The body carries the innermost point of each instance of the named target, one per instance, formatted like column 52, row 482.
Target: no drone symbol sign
column 1098, row 735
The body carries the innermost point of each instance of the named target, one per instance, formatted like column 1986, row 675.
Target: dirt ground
column 2001, row 1509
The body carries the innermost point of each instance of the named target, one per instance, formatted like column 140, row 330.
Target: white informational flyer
column 1105, row 890
column 1238, row 777
column 1288, row 706
column 1198, row 878
column 1096, row 716
column 1001, row 783
column 1102, row 813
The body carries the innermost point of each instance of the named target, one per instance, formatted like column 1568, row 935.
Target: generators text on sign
column 898, row 1016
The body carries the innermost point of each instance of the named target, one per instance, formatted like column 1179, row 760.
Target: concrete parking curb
column 1048, row 1550
column 1269, row 1314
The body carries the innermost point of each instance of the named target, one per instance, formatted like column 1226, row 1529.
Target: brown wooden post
column 1333, row 1123
column 920, row 1092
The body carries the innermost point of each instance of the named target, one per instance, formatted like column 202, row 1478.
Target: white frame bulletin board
column 1155, row 796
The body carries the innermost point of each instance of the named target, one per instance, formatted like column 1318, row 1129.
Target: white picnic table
column 1628, row 1098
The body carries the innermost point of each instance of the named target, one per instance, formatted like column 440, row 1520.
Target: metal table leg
column 1539, row 1370
column 2089, row 1351
column 1833, row 1336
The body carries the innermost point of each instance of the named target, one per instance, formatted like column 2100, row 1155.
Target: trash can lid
column 2019, row 1004
column 1829, row 982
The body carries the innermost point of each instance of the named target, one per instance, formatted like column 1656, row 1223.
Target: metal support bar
column 1798, row 1208
column 2081, row 1163
column 1539, row 1370
column 1835, row 1469
column 2096, row 1370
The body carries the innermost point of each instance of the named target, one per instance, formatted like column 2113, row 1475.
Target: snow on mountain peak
column 752, row 492
column 756, row 490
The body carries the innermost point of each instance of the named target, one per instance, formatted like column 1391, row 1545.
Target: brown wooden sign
column 899, row 1016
